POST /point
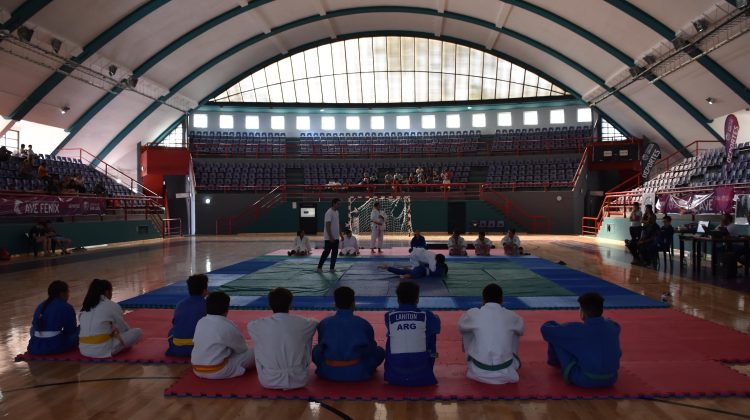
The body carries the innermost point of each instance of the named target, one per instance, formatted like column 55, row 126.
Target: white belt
column 46, row 334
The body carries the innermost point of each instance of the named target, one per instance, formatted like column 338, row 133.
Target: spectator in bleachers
column 42, row 172
column 99, row 189
column 53, row 185
column 388, row 179
column 26, row 171
column 512, row 244
column 30, row 155
column 417, row 241
column 301, row 245
column 482, row 245
column 5, row 154
column 365, row 179
column 79, row 184
column 349, row 245
column 456, row 245
column 374, row 178
column 21, row 153
column 397, row 177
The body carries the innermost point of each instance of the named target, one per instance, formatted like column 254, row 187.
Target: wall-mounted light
column 112, row 70
column 710, row 100
column 207, row 201
column 64, row 110
column 322, row 109
column 25, row 34
column 700, row 25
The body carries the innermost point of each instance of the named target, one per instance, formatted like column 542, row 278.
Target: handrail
column 586, row 155
column 94, row 161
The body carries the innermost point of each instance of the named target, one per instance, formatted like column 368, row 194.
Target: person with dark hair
column 283, row 343
column 456, row 245
column 647, row 253
column 104, row 332
column 424, row 263
column 54, row 329
column 301, row 245
column 219, row 349
column 482, row 245
column 490, row 336
column 38, row 238
column 331, row 235
column 5, row 154
column 187, row 313
column 349, row 245
column 636, row 215
column 411, row 348
column 587, row 353
column 512, row 244
column 377, row 219
column 418, row 241
column 346, row 349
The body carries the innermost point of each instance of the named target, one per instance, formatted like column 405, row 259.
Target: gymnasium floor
column 72, row 390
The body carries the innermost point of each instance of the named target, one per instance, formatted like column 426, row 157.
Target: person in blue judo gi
column 346, row 349
column 186, row 316
column 418, row 241
column 411, row 348
column 423, row 263
column 588, row 352
column 54, row 328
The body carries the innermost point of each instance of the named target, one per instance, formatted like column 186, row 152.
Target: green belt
column 592, row 376
column 493, row 368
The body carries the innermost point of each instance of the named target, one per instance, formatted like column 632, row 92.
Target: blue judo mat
column 376, row 290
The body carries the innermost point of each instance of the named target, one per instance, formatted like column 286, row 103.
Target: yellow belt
column 181, row 341
column 95, row 339
column 211, row 368
column 342, row 363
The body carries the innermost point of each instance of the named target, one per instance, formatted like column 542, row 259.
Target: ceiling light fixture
column 710, row 100
column 56, row 45
column 112, row 70
column 700, row 25
column 64, row 110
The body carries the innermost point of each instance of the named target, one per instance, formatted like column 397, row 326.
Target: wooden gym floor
column 72, row 390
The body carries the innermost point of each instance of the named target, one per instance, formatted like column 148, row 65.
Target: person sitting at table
column 647, row 250
column 666, row 234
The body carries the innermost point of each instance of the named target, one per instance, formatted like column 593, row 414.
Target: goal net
column 397, row 214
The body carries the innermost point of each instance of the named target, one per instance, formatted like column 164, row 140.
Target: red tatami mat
column 665, row 353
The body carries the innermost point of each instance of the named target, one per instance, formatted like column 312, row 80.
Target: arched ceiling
column 190, row 50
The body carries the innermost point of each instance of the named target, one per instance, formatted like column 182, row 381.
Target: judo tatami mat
column 665, row 353
column 528, row 283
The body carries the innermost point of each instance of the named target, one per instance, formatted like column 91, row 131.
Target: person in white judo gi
column 283, row 344
column 490, row 339
column 377, row 217
column 219, row 349
column 103, row 332
column 350, row 245
column 301, row 245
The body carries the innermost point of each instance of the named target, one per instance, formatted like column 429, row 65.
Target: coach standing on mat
column 331, row 235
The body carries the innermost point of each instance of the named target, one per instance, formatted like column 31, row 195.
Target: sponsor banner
column 723, row 199
column 49, row 205
column 720, row 201
column 731, row 129
column 650, row 156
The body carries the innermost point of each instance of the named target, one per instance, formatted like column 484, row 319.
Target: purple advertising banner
column 720, row 201
column 723, row 199
column 731, row 129
column 49, row 205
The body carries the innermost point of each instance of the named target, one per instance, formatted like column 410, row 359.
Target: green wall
column 13, row 238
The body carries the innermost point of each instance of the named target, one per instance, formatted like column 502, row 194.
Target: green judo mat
column 464, row 279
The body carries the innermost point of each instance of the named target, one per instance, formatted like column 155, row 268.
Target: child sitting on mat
column 283, row 344
column 482, row 245
column 301, row 245
column 346, row 350
column 104, row 332
column 512, row 244
column 424, row 263
column 349, row 246
column 219, row 350
column 54, row 329
column 490, row 339
column 186, row 316
column 588, row 353
column 412, row 334
column 456, row 245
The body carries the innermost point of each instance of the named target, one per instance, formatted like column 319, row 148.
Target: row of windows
column 10, row 140
column 403, row 122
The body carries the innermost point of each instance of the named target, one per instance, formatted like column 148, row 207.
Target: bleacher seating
column 237, row 143
column 705, row 170
column 393, row 143
column 240, row 175
column 62, row 166
column 541, row 139
column 560, row 170
column 353, row 172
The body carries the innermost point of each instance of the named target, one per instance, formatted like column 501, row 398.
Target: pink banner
column 52, row 206
column 731, row 129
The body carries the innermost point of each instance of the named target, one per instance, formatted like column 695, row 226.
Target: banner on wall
column 720, row 201
column 650, row 156
column 723, row 199
column 51, row 206
column 731, row 130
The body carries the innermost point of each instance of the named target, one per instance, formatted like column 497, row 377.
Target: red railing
column 328, row 148
column 85, row 157
column 514, row 212
column 591, row 225
column 238, row 149
column 171, row 227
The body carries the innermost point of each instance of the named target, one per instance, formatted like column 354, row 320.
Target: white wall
column 743, row 118
column 44, row 138
column 491, row 117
